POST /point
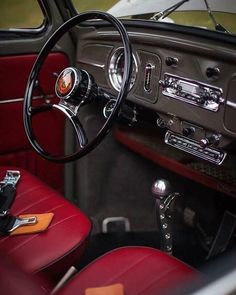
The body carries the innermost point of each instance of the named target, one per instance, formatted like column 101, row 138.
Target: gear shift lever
column 161, row 190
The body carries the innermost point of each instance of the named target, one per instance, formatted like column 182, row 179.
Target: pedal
column 223, row 235
column 115, row 224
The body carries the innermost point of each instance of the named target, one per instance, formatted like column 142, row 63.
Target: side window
column 20, row 14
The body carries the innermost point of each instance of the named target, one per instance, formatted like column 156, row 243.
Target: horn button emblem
column 75, row 86
column 66, row 82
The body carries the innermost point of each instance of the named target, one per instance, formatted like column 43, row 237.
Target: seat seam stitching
column 26, row 192
column 19, row 211
column 156, row 278
column 129, row 268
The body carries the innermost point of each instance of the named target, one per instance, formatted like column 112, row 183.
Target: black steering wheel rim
column 27, row 108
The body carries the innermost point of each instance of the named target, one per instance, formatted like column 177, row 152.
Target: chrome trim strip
column 231, row 104
column 88, row 63
column 22, row 99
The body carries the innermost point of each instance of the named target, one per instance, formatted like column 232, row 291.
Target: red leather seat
column 141, row 270
column 49, row 253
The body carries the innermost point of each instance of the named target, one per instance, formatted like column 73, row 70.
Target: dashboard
column 188, row 81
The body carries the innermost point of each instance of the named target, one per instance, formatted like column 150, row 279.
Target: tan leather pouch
column 43, row 222
column 116, row 289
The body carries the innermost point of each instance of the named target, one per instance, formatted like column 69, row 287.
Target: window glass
column 85, row 5
column 201, row 19
column 20, row 14
column 215, row 15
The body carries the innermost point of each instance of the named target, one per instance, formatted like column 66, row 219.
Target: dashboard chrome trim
column 21, row 99
column 114, row 78
column 148, row 76
column 231, row 104
column 90, row 63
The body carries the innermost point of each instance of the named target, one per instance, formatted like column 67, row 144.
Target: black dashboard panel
column 189, row 81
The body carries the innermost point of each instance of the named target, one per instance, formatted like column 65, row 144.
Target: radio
column 193, row 92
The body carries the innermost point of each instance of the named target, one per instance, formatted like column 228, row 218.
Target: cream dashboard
column 189, row 82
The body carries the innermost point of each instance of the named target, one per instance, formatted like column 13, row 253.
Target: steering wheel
column 75, row 88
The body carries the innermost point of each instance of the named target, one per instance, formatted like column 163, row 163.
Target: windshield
column 215, row 15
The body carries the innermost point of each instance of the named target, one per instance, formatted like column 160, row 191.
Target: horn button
column 75, row 86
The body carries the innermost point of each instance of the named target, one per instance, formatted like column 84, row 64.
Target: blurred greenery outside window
column 20, row 14
column 85, row 5
column 201, row 19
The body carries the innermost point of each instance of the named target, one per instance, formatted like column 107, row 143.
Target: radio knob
column 209, row 141
column 212, row 72
column 204, row 143
column 187, row 131
column 204, row 96
column 164, row 83
column 201, row 100
column 174, row 85
column 214, row 97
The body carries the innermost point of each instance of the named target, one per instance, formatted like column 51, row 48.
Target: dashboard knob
column 214, row 97
column 187, row 131
column 204, row 96
column 171, row 61
column 212, row 72
column 175, row 85
column 108, row 108
column 201, row 100
column 164, row 83
column 209, row 141
column 204, row 142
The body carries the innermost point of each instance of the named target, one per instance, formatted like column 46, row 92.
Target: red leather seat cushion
column 15, row 281
column 53, row 251
column 141, row 270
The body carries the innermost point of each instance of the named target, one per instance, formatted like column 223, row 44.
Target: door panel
column 49, row 127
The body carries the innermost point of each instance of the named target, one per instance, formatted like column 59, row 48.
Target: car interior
column 117, row 152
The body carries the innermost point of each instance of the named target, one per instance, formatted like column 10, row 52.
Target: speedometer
column 116, row 69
